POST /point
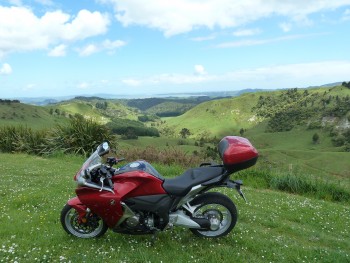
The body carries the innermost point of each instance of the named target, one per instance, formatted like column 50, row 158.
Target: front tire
column 219, row 210
column 93, row 227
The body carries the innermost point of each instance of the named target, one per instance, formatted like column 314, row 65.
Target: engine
column 140, row 222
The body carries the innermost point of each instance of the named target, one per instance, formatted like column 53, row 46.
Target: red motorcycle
column 136, row 199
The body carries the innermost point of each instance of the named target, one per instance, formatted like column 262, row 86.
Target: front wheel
column 93, row 225
column 219, row 210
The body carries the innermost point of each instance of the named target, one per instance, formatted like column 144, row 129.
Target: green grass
column 88, row 109
column 272, row 227
column 218, row 117
column 294, row 151
column 160, row 142
column 35, row 117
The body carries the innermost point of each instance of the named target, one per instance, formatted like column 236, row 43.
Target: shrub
column 80, row 136
column 124, row 127
column 168, row 156
column 338, row 140
column 315, row 138
column 22, row 139
column 296, row 184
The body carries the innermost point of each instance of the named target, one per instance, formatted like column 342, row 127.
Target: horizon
column 61, row 48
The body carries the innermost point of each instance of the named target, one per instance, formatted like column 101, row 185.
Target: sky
column 147, row 47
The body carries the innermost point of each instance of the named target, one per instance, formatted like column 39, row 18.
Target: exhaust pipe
column 178, row 218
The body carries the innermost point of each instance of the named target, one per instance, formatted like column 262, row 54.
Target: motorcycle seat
column 182, row 184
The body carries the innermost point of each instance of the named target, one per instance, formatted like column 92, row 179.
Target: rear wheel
column 219, row 210
column 93, row 226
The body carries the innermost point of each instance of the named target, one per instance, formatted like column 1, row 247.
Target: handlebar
column 112, row 160
column 106, row 173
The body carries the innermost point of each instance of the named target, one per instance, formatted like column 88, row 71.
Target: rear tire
column 94, row 226
column 220, row 211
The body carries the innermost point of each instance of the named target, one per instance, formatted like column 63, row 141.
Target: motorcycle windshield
column 92, row 160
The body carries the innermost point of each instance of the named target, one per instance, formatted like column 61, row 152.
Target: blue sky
column 59, row 48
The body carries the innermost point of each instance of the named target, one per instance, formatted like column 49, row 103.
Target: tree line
column 346, row 84
column 8, row 101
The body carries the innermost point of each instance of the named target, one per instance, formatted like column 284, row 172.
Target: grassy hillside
column 299, row 114
column 23, row 114
column 218, row 117
column 272, row 227
column 99, row 109
column 285, row 108
column 165, row 107
column 281, row 124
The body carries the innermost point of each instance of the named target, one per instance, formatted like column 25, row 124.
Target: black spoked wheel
column 93, row 227
column 219, row 210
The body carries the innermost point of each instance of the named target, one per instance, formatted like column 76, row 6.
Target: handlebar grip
column 110, row 182
column 103, row 171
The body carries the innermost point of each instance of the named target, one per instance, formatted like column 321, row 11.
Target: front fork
column 82, row 210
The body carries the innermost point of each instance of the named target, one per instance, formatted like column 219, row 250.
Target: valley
column 298, row 130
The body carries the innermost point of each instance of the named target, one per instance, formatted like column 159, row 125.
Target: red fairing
column 137, row 183
column 107, row 204
column 237, row 150
column 78, row 206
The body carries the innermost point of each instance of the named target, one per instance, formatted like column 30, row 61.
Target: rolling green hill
column 218, row 117
column 281, row 124
column 101, row 110
column 166, row 107
column 285, row 108
column 36, row 117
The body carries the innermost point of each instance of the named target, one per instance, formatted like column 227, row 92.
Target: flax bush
column 80, row 136
column 22, row 139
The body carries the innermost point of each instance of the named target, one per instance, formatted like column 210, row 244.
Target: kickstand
column 154, row 238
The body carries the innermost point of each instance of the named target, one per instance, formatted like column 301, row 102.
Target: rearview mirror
column 103, row 149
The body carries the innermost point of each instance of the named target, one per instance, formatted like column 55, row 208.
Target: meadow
column 298, row 193
column 273, row 226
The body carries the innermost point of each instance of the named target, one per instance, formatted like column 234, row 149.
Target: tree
column 185, row 132
column 346, row 84
column 316, row 138
column 241, row 131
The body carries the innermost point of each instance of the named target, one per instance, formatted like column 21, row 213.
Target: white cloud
column 279, row 76
column 205, row 38
column 286, row 27
column 167, row 78
column 246, row 32
column 111, row 46
column 88, row 50
column 292, row 75
column 176, row 17
column 29, row 87
column 83, row 85
column 5, row 69
column 108, row 45
column 21, row 30
column 252, row 42
column 58, row 51
column 199, row 70
column 346, row 15
column 131, row 82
